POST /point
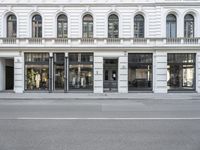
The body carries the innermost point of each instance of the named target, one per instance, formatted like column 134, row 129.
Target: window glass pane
column 62, row 26
column 189, row 26
column 36, row 71
column 80, row 71
column 181, row 71
column 11, row 26
column 113, row 26
column 171, row 26
column 37, row 26
column 139, row 26
column 140, row 71
column 87, row 26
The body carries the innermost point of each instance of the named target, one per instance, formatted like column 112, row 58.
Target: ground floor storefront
column 100, row 71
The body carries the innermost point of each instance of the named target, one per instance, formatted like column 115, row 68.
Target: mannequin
column 83, row 82
column 37, row 80
column 73, row 81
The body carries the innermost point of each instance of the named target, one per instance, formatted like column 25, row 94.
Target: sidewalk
column 93, row 96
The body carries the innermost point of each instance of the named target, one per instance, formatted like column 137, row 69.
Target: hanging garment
column 37, row 80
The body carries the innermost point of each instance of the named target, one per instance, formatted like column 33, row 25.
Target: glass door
column 59, row 71
column 110, row 83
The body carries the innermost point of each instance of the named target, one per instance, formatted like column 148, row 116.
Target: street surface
column 100, row 124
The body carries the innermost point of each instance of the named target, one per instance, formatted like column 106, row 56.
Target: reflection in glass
column 59, row 71
column 181, row 72
column 36, row 71
column 139, row 26
column 87, row 26
column 81, row 71
column 37, row 77
column 171, row 26
column 62, row 26
column 189, row 26
column 11, row 26
column 113, row 26
column 37, row 26
column 140, row 71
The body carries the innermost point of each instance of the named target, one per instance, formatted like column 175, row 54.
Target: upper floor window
column 171, row 26
column 62, row 26
column 189, row 26
column 11, row 26
column 113, row 26
column 87, row 26
column 139, row 26
column 37, row 26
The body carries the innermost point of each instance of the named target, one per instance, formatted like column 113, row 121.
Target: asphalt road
column 100, row 125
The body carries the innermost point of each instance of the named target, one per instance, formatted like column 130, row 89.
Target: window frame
column 186, row 25
column 86, row 25
column 140, row 24
column 169, row 22
column 112, row 32
column 38, row 24
column 13, row 35
column 62, row 21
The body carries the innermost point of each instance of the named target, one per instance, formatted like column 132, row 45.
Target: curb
column 102, row 98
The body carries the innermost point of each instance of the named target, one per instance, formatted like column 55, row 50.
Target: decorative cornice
column 99, row 3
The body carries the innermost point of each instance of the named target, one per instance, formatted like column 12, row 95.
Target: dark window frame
column 13, row 20
column 37, row 26
column 78, row 58
column 189, row 21
column 62, row 20
column 113, row 26
column 140, row 60
column 174, row 62
column 87, row 22
column 170, row 21
column 139, row 26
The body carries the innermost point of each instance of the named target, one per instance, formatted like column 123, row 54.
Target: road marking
column 30, row 118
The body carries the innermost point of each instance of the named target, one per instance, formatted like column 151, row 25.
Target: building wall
column 19, row 74
column 155, row 18
column 154, row 12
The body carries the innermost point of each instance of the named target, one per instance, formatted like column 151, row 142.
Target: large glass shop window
column 59, row 71
column 36, row 71
column 140, row 71
column 181, row 72
column 81, row 71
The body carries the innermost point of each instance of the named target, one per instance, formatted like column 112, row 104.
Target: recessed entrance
column 110, row 70
column 59, row 71
column 6, row 74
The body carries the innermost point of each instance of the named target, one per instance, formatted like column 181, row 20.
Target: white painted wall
column 160, row 72
column 155, row 19
column 19, row 74
column 123, row 74
column 98, row 74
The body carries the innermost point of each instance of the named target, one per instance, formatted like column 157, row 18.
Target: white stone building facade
column 100, row 46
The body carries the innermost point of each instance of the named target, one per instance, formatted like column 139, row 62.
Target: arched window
column 87, row 26
column 189, row 26
column 62, row 26
column 139, row 26
column 11, row 26
column 171, row 25
column 37, row 26
column 113, row 26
